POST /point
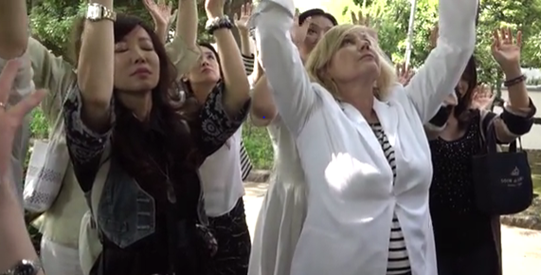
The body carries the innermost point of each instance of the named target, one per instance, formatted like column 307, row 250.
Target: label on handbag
column 514, row 179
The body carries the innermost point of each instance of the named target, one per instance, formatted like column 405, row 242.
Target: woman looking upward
column 362, row 146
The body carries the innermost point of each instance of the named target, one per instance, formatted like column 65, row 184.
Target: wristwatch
column 24, row 267
column 97, row 12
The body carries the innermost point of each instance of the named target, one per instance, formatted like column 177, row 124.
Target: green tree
column 52, row 20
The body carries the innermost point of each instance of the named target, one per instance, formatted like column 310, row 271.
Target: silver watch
column 97, row 12
column 24, row 267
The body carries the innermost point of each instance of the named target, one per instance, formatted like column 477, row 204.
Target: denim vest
column 126, row 213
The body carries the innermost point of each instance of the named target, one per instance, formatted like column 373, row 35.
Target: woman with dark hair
column 220, row 173
column 319, row 22
column 283, row 211
column 468, row 242
column 125, row 115
column 221, row 177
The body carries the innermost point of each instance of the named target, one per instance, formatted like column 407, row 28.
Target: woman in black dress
column 468, row 242
column 126, row 111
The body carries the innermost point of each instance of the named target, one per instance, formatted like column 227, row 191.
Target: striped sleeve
column 248, row 63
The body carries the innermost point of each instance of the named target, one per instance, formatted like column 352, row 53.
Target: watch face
column 25, row 267
column 93, row 13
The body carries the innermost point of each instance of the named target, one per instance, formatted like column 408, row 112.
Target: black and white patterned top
column 215, row 127
column 398, row 262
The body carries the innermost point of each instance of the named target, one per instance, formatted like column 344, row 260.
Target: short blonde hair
column 321, row 56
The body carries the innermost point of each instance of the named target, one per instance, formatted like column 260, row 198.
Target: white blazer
column 351, row 194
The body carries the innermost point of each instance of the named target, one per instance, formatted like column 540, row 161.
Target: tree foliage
column 393, row 17
column 52, row 20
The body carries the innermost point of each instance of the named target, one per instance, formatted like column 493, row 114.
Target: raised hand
column 434, row 34
column 404, row 74
column 365, row 22
column 241, row 21
column 482, row 98
column 161, row 13
column 298, row 31
column 214, row 8
column 359, row 19
column 506, row 49
column 12, row 117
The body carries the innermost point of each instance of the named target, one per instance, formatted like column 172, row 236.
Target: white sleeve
column 442, row 70
column 292, row 88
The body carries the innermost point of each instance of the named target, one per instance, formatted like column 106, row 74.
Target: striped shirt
column 398, row 261
column 245, row 163
column 248, row 63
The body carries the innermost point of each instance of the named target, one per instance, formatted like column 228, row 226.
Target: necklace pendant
column 171, row 196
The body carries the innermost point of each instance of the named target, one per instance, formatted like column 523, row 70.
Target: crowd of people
column 373, row 164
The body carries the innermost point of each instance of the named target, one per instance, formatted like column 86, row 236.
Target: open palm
column 160, row 11
column 241, row 21
column 483, row 98
column 505, row 48
column 299, row 31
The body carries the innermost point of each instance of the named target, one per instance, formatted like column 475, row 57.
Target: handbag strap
column 485, row 118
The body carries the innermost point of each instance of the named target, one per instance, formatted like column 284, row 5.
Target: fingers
column 519, row 39
column 306, row 23
column 7, row 77
column 27, row 104
column 367, row 20
column 495, row 40
column 353, row 18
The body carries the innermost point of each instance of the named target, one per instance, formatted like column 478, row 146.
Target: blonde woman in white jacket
column 362, row 149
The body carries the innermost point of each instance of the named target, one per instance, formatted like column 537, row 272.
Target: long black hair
column 174, row 119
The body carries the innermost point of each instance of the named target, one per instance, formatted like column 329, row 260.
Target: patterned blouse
column 150, row 255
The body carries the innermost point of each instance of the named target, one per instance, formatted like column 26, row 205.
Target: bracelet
column 218, row 23
column 514, row 81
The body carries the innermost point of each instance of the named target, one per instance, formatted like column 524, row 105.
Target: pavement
column 521, row 247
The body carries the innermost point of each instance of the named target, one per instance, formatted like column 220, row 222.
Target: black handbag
column 502, row 180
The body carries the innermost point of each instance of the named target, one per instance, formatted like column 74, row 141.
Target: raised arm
column 292, row 90
column 51, row 73
column 517, row 116
column 95, row 71
column 13, row 44
column 13, row 28
column 183, row 51
column 437, row 78
column 234, row 75
column 162, row 16
column 16, row 244
column 241, row 22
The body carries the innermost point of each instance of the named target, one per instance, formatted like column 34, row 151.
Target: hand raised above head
column 506, row 48
column 299, row 31
column 214, row 8
column 241, row 20
column 161, row 12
